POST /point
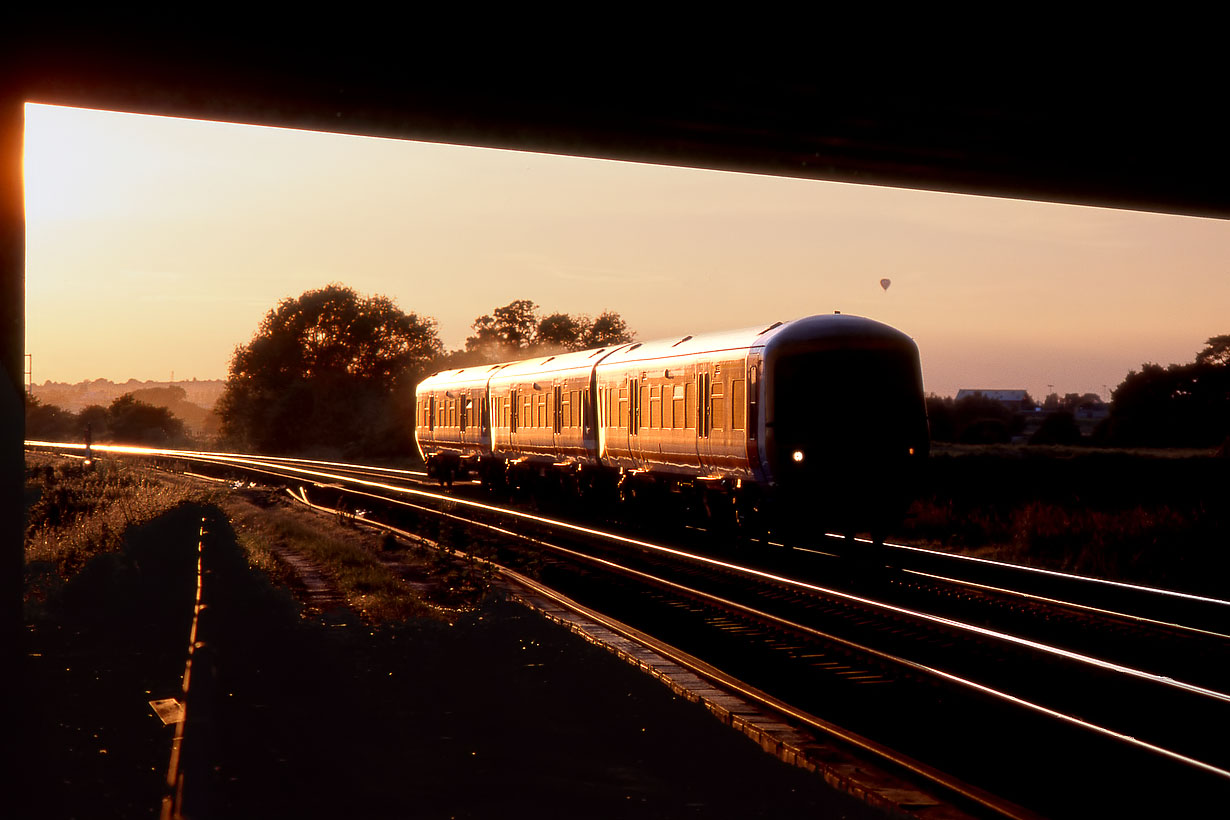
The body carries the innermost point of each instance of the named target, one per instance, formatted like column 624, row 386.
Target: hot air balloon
column 884, row 283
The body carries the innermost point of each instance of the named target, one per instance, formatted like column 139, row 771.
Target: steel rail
column 1060, row 602
column 984, row 632
column 310, row 474
column 781, row 580
column 955, row 558
column 910, row 664
column 921, row 668
column 711, row 673
column 1066, row 576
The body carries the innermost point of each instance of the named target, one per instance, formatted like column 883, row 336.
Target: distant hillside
column 191, row 401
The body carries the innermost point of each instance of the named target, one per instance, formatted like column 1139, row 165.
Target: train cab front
column 845, row 424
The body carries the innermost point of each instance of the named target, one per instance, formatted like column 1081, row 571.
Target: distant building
column 1015, row 400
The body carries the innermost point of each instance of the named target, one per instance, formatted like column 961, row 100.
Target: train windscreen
column 850, row 405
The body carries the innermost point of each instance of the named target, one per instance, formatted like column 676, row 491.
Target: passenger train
column 816, row 422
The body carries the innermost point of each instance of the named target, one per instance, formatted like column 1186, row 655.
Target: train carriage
column 541, row 410
column 679, row 407
column 453, row 420
column 818, row 421
column 844, row 421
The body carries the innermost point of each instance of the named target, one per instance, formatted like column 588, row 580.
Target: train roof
column 691, row 345
column 579, row 362
column 851, row 329
column 764, row 335
column 461, row 376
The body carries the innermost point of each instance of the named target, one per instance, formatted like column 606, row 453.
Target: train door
column 704, row 427
column 713, row 433
column 636, row 389
column 514, row 418
column 753, row 404
column 557, row 419
column 485, row 428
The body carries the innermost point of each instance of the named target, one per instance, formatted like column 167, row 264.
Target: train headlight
column 797, row 455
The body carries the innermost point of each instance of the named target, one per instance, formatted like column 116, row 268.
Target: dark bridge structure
column 1102, row 130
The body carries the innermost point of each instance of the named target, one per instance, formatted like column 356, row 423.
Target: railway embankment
column 459, row 705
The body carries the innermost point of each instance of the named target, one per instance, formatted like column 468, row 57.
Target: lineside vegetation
column 1154, row 517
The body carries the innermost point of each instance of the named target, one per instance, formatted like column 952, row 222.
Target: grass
column 1151, row 517
column 327, row 717
column 346, row 555
column 437, row 584
column 75, row 512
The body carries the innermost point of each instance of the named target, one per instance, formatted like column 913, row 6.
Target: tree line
column 334, row 372
column 127, row 420
column 1182, row 405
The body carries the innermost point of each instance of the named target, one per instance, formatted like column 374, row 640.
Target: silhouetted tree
column 321, row 372
column 130, row 421
column 94, row 418
column 1182, row 405
column 1058, row 428
column 608, row 329
column 505, row 331
column 559, row 330
column 940, row 417
column 515, row 331
column 981, row 420
column 1217, row 351
column 46, row 422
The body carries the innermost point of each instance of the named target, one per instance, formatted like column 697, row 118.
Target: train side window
column 431, row 414
column 736, row 405
column 655, row 407
column 717, row 403
column 668, row 406
column 689, row 405
column 623, row 407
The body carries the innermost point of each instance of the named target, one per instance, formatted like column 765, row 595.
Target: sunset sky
column 155, row 246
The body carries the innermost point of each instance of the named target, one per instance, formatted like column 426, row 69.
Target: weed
column 1157, row 519
column 74, row 512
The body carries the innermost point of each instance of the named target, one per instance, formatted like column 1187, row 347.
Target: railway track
column 1052, row 704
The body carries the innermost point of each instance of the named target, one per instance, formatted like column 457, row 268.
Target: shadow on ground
column 500, row 714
